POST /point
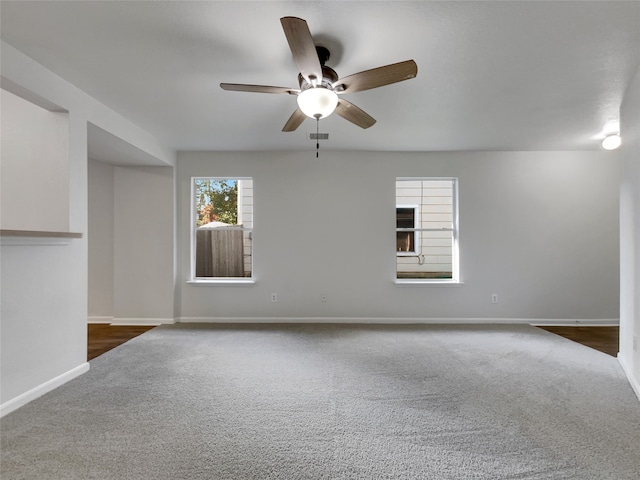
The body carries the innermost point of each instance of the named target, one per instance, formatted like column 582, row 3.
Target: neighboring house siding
column 434, row 199
column 245, row 199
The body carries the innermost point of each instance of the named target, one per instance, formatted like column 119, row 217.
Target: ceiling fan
column 320, row 86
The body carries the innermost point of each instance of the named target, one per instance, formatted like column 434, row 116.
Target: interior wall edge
column 626, row 368
column 26, row 397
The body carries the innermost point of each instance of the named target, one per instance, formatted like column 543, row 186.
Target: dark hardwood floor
column 103, row 338
column 604, row 339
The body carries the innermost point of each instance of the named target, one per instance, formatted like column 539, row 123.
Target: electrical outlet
column 494, row 298
column 323, row 297
column 274, row 297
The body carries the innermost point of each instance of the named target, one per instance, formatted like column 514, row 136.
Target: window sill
column 412, row 282
column 222, row 282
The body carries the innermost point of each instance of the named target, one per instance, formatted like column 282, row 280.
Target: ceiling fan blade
column 294, row 121
column 377, row 77
column 240, row 87
column 350, row 112
column 302, row 48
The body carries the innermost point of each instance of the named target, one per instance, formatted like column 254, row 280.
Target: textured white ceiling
column 505, row 75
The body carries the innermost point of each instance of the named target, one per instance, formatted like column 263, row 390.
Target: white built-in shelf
column 36, row 237
column 38, row 233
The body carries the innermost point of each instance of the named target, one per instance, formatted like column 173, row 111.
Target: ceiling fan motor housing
column 329, row 77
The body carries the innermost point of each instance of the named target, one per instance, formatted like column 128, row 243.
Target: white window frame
column 455, row 229
column 192, row 237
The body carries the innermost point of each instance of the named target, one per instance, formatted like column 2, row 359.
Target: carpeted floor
column 334, row 402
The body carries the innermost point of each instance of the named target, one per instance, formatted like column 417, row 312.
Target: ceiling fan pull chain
column 317, row 136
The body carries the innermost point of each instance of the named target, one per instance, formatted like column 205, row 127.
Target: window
column 222, row 228
column 427, row 229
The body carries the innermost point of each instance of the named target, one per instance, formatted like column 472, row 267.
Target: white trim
column 626, row 368
column 231, row 281
column 589, row 322
column 239, row 201
column 192, row 227
column 142, row 321
column 100, row 320
column 403, row 321
column 431, row 282
column 36, row 237
column 455, row 267
column 34, row 241
column 17, row 402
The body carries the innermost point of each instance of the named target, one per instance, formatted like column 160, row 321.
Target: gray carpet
column 334, row 402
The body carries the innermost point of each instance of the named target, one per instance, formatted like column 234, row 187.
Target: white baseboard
column 100, row 320
column 17, row 402
column 635, row 383
column 142, row 321
column 403, row 321
column 129, row 321
column 590, row 322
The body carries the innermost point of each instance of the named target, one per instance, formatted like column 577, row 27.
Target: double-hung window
column 222, row 229
column 427, row 229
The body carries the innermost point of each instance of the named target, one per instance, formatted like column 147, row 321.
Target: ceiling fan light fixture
column 318, row 102
column 611, row 142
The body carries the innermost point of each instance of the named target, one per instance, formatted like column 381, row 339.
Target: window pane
column 405, row 241
column 433, row 260
column 406, row 218
column 223, row 212
column 427, row 249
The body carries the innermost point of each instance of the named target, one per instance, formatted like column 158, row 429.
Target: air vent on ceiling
column 318, row 136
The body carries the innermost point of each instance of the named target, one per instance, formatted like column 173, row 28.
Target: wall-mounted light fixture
column 611, row 142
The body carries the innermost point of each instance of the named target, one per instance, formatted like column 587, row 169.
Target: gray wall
column 100, row 240
column 540, row 229
column 131, row 248
column 143, row 245
column 34, row 172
